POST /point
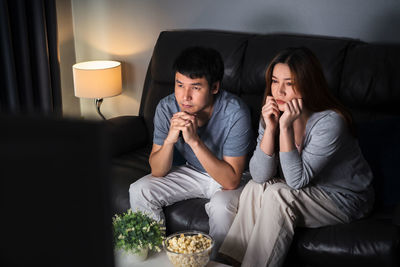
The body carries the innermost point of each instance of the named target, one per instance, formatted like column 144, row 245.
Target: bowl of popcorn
column 190, row 248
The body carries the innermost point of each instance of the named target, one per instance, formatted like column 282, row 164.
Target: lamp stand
column 97, row 102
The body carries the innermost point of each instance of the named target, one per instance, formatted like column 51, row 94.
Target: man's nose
column 187, row 94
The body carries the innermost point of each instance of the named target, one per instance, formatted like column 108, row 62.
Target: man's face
column 194, row 96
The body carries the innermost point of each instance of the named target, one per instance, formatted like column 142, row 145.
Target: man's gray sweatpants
column 149, row 194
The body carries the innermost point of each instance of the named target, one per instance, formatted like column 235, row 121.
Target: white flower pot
column 127, row 258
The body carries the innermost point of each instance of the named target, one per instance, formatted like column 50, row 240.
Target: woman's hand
column 270, row 113
column 293, row 110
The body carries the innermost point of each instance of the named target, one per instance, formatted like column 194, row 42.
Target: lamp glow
column 97, row 79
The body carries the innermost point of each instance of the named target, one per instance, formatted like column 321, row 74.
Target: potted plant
column 135, row 233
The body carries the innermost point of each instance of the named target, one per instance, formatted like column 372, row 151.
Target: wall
column 126, row 30
column 70, row 104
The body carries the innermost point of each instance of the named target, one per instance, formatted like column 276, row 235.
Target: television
column 55, row 193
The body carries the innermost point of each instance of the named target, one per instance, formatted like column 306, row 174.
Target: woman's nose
column 281, row 89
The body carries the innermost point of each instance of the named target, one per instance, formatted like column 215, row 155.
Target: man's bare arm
column 161, row 159
column 161, row 156
column 227, row 172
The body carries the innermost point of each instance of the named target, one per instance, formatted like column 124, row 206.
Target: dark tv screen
column 54, row 193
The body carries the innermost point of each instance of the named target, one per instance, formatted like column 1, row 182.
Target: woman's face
column 282, row 85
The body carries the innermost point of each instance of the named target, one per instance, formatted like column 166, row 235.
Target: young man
column 211, row 129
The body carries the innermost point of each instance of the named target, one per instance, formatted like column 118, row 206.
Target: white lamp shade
column 97, row 79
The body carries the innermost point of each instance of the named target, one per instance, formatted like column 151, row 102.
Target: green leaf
column 146, row 231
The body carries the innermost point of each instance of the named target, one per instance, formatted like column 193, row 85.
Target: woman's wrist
column 270, row 130
column 286, row 128
column 286, row 139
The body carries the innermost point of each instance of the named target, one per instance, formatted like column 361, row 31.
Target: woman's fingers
column 293, row 109
column 295, row 106
column 270, row 110
column 300, row 101
column 289, row 107
column 270, row 105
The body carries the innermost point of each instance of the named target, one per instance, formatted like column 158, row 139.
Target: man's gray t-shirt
column 227, row 133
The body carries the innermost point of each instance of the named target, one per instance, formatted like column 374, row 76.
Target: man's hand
column 270, row 113
column 185, row 123
column 292, row 111
column 178, row 122
column 189, row 131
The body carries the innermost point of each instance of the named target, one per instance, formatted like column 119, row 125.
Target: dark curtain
column 30, row 73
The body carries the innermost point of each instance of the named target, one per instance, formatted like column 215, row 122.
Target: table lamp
column 97, row 79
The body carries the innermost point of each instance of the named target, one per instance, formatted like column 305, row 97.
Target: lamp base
column 98, row 102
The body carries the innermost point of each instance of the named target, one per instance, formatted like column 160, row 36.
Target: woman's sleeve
column 325, row 139
column 262, row 166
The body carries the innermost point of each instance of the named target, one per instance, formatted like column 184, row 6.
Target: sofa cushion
column 187, row 215
column 380, row 143
column 124, row 134
column 367, row 242
column 125, row 170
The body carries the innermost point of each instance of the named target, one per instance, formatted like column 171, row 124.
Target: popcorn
column 191, row 249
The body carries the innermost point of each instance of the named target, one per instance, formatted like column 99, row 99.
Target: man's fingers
column 184, row 115
column 178, row 122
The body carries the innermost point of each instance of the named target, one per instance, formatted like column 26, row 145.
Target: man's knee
column 225, row 201
column 140, row 190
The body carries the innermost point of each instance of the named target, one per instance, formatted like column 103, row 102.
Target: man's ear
column 215, row 88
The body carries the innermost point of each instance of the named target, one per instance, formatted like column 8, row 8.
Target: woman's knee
column 253, row 187
column 282, row 197
column 279, row 192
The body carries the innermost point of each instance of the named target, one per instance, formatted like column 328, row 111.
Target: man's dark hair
column 197, row 62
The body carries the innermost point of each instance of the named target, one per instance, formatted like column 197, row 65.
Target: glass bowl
column 188, row 256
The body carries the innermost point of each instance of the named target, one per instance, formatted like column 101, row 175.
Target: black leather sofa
column 364, row 76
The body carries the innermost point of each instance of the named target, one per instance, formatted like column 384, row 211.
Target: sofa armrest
column 126, row 134
column 396, row 215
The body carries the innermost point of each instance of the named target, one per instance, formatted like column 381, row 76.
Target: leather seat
column 365, row 77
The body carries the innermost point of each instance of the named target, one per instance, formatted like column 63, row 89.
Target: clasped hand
column 185, row 123
column 272, row 115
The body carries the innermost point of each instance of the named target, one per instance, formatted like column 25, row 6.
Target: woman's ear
column 215, row 88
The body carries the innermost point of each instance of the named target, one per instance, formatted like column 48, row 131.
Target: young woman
column 307, row 169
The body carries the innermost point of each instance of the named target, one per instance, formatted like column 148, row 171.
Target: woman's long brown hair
column 309, row 81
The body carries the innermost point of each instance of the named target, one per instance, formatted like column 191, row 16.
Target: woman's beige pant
column 263, row 228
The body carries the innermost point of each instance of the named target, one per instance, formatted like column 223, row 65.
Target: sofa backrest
column 246, row 57
column 370, row 82
column 160, row 77
column 364, row 77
